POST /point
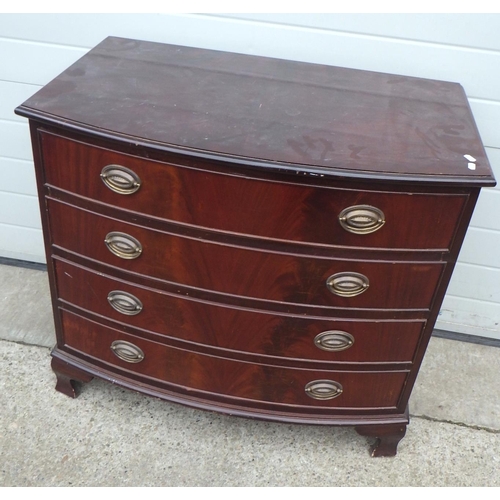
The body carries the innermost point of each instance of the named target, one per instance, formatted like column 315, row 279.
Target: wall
column 34, row 48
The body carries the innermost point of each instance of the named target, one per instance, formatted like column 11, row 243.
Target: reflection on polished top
column 308, row 118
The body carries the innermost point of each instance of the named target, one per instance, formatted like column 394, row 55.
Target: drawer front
column 236, row 329
column 192, row 371
column 256, row 207
column 245, row 272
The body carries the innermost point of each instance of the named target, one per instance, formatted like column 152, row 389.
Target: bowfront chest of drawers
column 259, row 237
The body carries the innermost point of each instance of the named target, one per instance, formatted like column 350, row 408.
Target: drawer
column 192, row 372
column 242, row 271
column 256, row 332
column 276, row 210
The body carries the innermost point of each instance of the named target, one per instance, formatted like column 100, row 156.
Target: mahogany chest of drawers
column 260, row 237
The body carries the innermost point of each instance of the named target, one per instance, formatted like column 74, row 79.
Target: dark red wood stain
column 235, row 328
column 242, row 271
column 285, row 211
column 232, row 378
column 244, row 165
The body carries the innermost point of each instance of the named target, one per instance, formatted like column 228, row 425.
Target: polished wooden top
column 269, row 113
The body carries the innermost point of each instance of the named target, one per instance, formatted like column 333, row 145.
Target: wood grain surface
column 187, row 370
column 320, row 118
column 205, row 324
column 244, row 272
column 282, row 209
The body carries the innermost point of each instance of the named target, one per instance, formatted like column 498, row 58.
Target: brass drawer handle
column 127, row 351
column 124, row 303
column 334, row 340
column 120, row 179
column 123, row 245
column 347, row 284
column 362, row 219
column 323, row 389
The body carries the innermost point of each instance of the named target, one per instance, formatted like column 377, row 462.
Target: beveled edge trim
column 320, row 415
column 435, row 180
column 246, row 241
column 232, row 354
column 231, row 300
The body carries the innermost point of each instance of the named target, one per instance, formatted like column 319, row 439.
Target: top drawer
column 257, row 207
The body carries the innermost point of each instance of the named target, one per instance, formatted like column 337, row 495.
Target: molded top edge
column 269, row 113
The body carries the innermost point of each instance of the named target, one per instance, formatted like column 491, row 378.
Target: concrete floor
column 113, row 437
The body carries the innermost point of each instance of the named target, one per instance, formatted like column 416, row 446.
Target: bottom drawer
column 217, row 378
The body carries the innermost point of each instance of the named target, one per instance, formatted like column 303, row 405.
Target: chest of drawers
column 259, row 237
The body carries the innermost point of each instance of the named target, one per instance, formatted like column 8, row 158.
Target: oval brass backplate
column 127, row 351
column 347, row 284
column 123, row 245
column 334, row 340
column 120, row 179
column 124, row 303
column 362, row 219
column 323, row 389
